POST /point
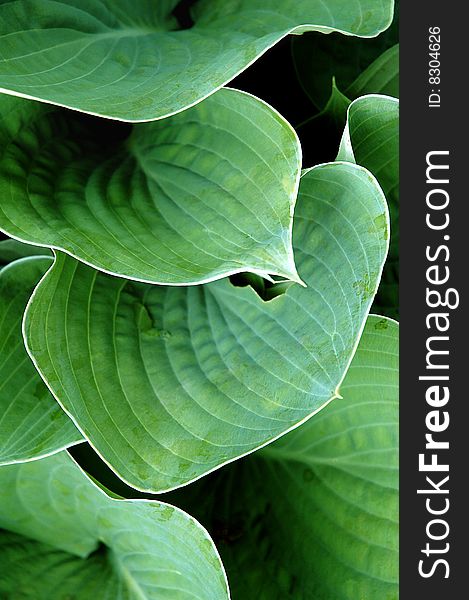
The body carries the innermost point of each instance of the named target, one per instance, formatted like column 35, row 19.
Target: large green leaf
column 32, row 424
column 371, row 139
column 70, row 540
column 132, row 61
column 170, row 383
column 315, row 515
column 190, row 199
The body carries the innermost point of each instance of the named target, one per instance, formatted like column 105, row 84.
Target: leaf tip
column 293, row 276
column 288, row 270
column 337, row 395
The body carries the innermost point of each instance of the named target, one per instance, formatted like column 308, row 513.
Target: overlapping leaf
column 328, row 120
column 133, row 61
column 32, row 424
column 371, row 138
column 71, row 540
column 198, row 196
column 321, row 59
column 381, row 77
column 315, row 515
column 170, row 383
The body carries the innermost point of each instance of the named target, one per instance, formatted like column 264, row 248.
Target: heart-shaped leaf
column 170, row 383
column 190, row 199
column 133, row 61
column 70, row 540
column 371, row 139
column 32, row 425
column 315, row 515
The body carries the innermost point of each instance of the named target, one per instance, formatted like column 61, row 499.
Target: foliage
column 79, row 540
column 178, row 291
column 327, row 492
column 31, row 423
column 177, row 381
column 98, row 56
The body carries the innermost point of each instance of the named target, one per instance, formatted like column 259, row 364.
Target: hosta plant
column 195, row 400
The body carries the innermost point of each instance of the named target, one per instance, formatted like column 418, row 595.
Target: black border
column 423, row 129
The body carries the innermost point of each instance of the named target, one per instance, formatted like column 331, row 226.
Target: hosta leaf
column 11, row 250
column 319, row 59
column 70, row 540
column 371, row 138
column 315, row 515
column 381, row 77
column 32, row 425
column 328, row 126
column 190, row 199
column 132, row 61
column 170, row 383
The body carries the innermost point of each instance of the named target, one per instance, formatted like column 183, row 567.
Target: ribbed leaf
column 76, row 542
column 132, row 61
column 170, row 383
column 198, row 196
column 381, row 77
column 315, row 515
column 32, row 425
column 371, row 139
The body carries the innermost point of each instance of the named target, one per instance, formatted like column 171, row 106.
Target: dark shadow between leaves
column 183, row 15
column 266, row 290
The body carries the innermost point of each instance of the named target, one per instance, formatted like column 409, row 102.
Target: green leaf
column 11, row 250
column 315, row 515
column 170, row 383
column 319, row 59
column 371, row 139
column 335, row 111
column 32, row 425
column 73, row 541
column 328, row 125
column 381, row 77
column 132, row 61
column 190, row 199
